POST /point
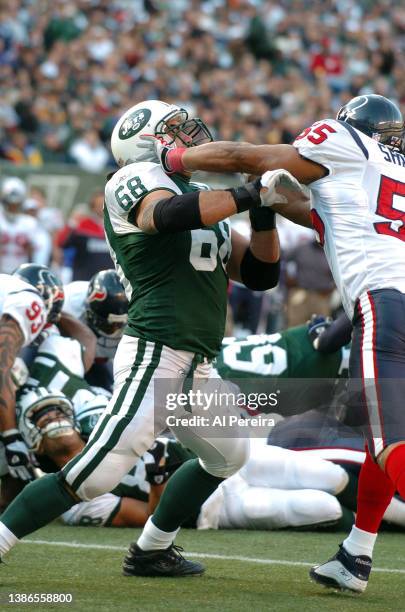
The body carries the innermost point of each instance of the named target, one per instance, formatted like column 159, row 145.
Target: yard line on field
column 385, row 570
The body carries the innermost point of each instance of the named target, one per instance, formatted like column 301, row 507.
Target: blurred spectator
column 253, row 69
column 49, row 217
column 42, row 237
column 19, row 150
column 310, row 283
column 21, row 237
column 83, row 243
column 246, row 306
column 89, row 152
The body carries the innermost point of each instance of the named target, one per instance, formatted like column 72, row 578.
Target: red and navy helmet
column 47, row 284
column 106, row 304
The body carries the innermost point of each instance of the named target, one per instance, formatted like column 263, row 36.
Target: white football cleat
column 343, row 571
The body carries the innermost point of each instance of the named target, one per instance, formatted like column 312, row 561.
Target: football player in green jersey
column 286, row 354
column 173, row 249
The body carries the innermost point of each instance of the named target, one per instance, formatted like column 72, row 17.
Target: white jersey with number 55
column 358, row 209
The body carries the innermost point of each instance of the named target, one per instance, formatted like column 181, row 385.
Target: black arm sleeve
column 178, row 213
column 258, row 275
column 336, row 335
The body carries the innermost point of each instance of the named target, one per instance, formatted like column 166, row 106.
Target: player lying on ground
column 173, row 249
column 354, row 167
column 277, row 488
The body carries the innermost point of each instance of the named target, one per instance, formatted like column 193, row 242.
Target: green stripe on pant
column 124, row 421
column 106, row 418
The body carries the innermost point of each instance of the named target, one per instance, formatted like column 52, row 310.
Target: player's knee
column 228, row 464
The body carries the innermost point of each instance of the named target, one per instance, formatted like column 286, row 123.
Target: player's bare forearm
column 11, row 341
column 73, row 328
column 216, row 206
column 265, row 245
column 244, row 157
column 297, row 211
column 132, row 513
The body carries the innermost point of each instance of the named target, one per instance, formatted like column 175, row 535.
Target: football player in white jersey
column 354, row 166
column 19, row 236
column 25, row 310
column 30, row 301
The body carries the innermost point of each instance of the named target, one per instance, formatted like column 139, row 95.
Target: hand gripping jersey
column 24, row 304
column 176, row 284
column 358, row 209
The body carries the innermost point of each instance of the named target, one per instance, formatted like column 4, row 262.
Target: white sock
column 153, row 538
column 7, row 539
column 360, row 542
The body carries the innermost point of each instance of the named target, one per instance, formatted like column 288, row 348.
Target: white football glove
column 280, row 188
column 18, row 456
column 155, row 150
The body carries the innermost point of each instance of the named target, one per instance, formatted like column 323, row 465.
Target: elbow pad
column 258, row 275
column 178, row 213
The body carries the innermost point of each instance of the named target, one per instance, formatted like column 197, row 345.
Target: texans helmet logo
column 97, row 295
column 59, row 295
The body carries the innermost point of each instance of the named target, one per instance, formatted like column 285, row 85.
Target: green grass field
column 252, row 571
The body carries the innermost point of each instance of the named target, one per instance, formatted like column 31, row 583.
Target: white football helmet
column 13, row 193
column 151, row 117
column 35, row 403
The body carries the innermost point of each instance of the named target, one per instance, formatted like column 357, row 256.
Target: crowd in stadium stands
column 256, row 70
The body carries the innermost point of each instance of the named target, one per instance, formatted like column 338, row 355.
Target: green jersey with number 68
column 176, row 284
column 288, row 354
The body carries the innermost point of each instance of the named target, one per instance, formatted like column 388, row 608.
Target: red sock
column 395, row 468
column 373, row 496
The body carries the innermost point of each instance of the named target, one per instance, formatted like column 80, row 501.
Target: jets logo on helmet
column 155, row 117
column 133, row 123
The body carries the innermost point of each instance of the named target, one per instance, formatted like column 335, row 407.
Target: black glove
column 155, row 463
column 17, row 455
column 316, row 326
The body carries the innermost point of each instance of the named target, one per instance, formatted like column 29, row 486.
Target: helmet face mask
column 42, row 413
column 191, row 132
column 377, row 117
column 48, row 285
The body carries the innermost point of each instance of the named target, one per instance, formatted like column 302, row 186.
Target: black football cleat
column 159, row 563
column 344, row 572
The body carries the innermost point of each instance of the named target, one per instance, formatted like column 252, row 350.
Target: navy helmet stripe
column 356, row 137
